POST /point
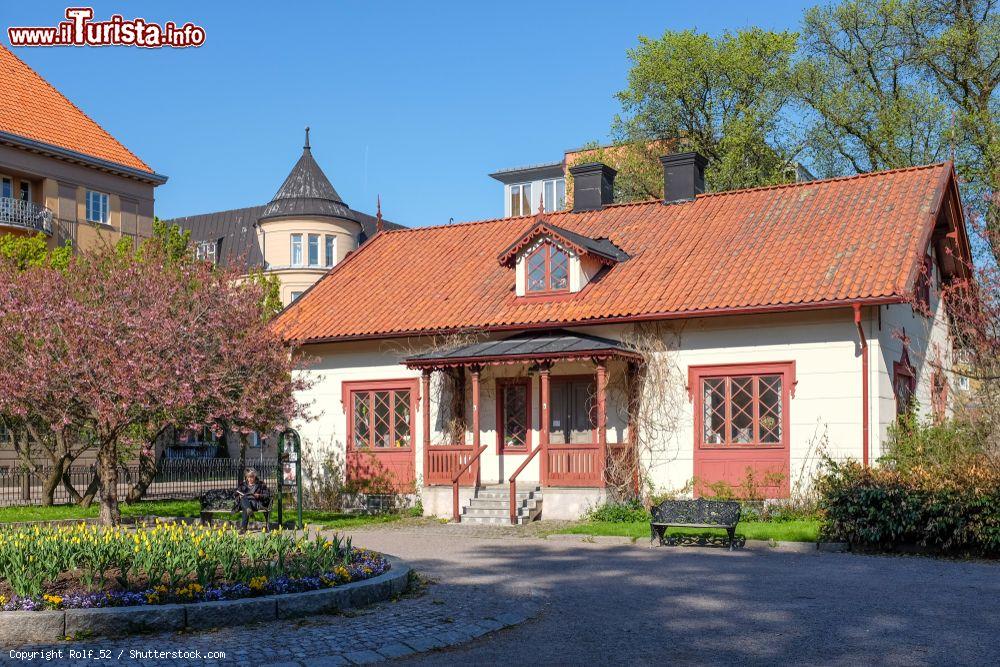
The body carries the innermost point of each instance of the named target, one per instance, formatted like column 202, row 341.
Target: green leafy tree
column 896, row 83
column 729, row 98
column 33, row 251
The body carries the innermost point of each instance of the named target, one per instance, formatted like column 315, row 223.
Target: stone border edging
column 26, row 627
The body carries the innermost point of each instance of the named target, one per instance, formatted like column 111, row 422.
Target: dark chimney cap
column 593, row 186
column 683, row 176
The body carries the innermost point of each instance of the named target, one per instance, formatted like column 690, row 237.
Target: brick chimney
column 593, row 186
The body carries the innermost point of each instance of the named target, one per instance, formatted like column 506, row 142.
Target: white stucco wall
column 824, row 411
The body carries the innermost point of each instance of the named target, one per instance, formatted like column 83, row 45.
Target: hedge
column 944, row 510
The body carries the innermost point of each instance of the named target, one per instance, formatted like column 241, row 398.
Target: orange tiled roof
column 840, row 240
column 34, row 109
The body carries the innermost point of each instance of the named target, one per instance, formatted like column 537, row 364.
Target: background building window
column 314, row 250
column 296, row 249
column 520, row 199
column 97, row 207
column 25, row 191
column 555, row 195
column 904, row 383
column 6, row 188
column 296, row 295
column 207, row 251
column 331, row 250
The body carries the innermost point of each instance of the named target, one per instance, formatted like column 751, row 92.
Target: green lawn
column 785, row 531
column 185, row 508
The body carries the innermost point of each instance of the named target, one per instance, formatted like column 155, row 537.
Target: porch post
column 475, row 417
column 632, row 381
column 425, row 406
column 602, row 428
column 543, row 374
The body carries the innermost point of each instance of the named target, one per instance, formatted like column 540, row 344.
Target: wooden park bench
column 699, row 513
column 223, row 501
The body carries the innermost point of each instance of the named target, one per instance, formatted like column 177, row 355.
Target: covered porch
column 550, row 410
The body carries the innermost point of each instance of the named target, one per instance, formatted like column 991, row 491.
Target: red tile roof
column 33, row 109
column 808, row 244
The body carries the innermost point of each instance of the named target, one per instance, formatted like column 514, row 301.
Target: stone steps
column 491, row 505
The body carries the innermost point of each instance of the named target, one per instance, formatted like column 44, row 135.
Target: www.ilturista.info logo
column 81, row 30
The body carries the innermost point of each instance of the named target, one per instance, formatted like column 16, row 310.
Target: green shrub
column 628, row 511
column 916, row 443
column 954, row 509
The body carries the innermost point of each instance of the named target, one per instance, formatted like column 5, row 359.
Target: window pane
column 361, row 417
column 560, row 203
column 515, row 409
column 769, row 392
column 741, row 409
column 381, row 425
column 515, row 200
column 550, row 196
column 331, row 249
column 314, row 250
column 296, row 249
column 536, row 270
column 714, row 406
column 559, row 271
column 7, row 188
column 401, row 421
column 526, row 199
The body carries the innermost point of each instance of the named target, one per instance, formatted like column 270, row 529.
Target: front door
column 381, row 434
column 513, row 423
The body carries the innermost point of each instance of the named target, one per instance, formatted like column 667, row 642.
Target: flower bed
column 83, row 566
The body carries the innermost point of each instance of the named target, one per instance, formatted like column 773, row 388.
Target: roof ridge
column 648, row 202
column 832, row 179
column 82, row 113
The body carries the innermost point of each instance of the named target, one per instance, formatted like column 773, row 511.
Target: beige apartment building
column 62, row 174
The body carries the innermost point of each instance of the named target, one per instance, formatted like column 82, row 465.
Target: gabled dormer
column 552, row 261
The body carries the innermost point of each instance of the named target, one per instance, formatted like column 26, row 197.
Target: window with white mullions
column 554, row 195
column 520, row 199
column 314, row 250
column 97, row 207
column 296, row 251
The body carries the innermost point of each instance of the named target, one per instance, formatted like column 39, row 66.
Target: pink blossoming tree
column 122, row 344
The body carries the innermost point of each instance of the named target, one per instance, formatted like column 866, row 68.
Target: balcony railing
column 25, row 214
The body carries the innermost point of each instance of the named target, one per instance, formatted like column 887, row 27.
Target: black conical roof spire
column 307, row 191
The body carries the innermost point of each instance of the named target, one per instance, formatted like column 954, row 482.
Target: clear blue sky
column 416, row 101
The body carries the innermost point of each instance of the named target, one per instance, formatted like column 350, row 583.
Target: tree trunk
column 51, row 482
column 67, row 481
column 243, row 453
column 107, row 473
column 148, row 468
column 91, row 491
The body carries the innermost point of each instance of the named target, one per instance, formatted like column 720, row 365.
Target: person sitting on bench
column 252, row 495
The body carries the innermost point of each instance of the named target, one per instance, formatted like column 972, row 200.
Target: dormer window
column 548, row 269
column 553, row 261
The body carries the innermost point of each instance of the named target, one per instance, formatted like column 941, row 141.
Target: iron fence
column 178, row 479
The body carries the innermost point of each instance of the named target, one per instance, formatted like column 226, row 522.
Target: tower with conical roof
column 306, row 228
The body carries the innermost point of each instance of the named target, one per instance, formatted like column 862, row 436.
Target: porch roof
column 526, row 348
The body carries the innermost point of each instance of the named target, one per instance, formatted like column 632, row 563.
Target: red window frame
column 547, row 248
column 502, row 446
column 350, row 389
column 697, row 375
column 902, row 372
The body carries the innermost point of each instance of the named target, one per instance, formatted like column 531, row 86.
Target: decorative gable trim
column 575, row 243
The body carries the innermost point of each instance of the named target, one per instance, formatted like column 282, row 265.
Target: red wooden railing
column 574, row 465
column 457, row 477
column 513, row 483
column 441, row 462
